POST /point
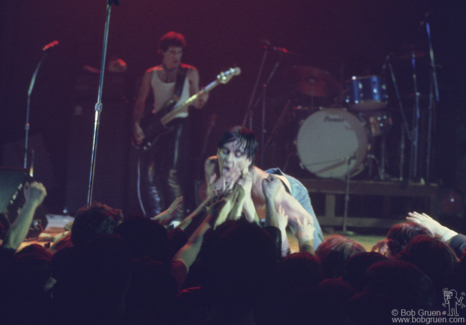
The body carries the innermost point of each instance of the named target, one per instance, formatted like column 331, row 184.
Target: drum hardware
column 366, row 93
column 404, row 127
column 383, row 176
column 417, row 55
column 327, row 137
column 268, row 47
column 434, row 84
column 300, row 113
column 415, row 131
column 406, row 52
column 312, row 82
column 279, row 123
column 345, row 232
column 379, row 122
column 378, row 166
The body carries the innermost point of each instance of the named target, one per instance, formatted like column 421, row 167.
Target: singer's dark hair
column 244, row 136
column 171, row 39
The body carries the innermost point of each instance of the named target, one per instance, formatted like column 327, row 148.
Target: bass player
column 160, row 168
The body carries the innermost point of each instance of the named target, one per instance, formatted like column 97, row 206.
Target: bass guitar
column 155, row 126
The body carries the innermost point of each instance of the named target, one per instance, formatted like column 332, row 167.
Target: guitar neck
column 194, row 97
column 184, row 107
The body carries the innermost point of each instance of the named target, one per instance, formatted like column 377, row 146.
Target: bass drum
column 328, row 139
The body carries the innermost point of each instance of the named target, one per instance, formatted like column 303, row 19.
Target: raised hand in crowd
column 439, row 231
column 456, row 241
column 220, row 210
column 166, row 216
column 245, row 182
column 381, row 247
column 282, row 219
column 188, row 253
column 270, row 187
column 34, row 194
column 305, row 235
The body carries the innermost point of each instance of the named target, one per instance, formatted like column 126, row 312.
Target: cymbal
column 312, row 81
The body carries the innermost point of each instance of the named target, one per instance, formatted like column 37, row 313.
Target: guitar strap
column 181, row 76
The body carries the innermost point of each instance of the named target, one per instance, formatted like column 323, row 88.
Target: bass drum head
column 328, row 138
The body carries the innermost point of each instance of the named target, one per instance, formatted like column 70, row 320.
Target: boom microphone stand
column 45, row 52
column 249, row 110
column 264, row 89
column 98, row 105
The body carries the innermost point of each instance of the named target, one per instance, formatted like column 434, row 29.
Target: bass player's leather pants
column 160, row 172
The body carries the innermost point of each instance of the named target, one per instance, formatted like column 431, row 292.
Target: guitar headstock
column 226, row 76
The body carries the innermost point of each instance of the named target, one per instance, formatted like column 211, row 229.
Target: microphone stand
column 264, row 89
column 98, row 105
column 27, row 126
column 250, row 108
column 416, row 116
column 431, row 103
column 405, row 127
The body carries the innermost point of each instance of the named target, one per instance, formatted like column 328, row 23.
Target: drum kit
column 334, row 141
column 340, row 131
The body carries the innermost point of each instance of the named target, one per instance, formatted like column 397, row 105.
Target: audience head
column 458, row 280
column 400, row 235
column 92, row 281
column 26, row 297
column 32, row 270
column 152, row 289
column 436, row 259
column 299, row 269
column 356, row 266
column 371, row 307
column 145, row 237
column 334, row 252
column 330, row 298
column 98, row 219
column 404, row 282
column 239, row 265
column 322, row 304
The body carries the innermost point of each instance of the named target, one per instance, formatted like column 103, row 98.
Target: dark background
column 343, row 37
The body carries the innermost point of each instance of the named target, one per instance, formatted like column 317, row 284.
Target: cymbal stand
column 429, row 131
column 264, row 89
column 279, row 123
column 415, row 131
column 404, row 127
column 383, row 148
column 431, row 102
column 312, row 80
column 98, row 105
column 249, row 110
column 345, row 232
column 378, row 165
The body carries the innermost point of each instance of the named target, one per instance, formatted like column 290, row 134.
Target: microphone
column 268, row 46
column 47, row 47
